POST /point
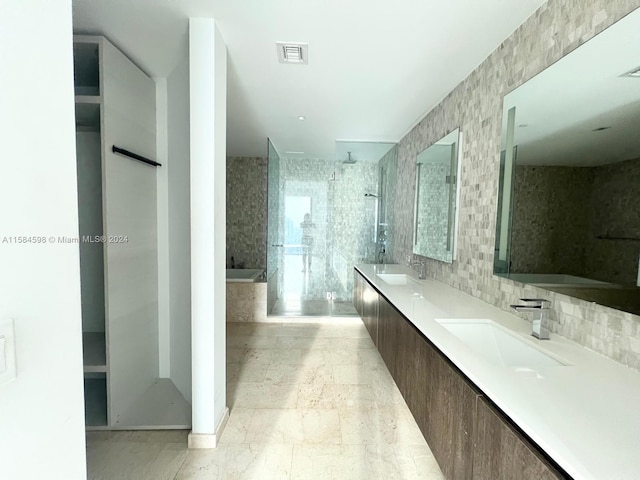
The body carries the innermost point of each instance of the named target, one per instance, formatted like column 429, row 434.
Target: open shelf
column 95, row 400
column 86, row 68
column 88, row 116
column 94, row 352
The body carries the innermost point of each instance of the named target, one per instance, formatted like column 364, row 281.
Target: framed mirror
column 569, row 204
column 435, row 213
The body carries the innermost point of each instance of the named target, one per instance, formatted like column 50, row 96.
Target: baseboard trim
column 208, row 440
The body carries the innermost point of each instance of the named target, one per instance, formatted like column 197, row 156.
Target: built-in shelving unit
column 94, row 352
column 89, row 109
column 117, row 210
column 95, row 400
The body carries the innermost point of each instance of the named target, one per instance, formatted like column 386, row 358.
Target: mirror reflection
column 569, row 206
column 435, row 201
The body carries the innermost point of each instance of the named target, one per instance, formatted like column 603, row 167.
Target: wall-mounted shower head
column 371, row 195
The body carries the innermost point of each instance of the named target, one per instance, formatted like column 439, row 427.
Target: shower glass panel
column 274, row 240
column 328, row 220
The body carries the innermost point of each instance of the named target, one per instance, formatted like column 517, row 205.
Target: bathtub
column 244, row 275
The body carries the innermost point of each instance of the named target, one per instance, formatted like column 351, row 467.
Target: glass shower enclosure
column 323, row 219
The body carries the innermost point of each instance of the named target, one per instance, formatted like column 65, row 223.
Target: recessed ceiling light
column 289, row 52
column 295, row 153
column 599, row 129
column 302, row 118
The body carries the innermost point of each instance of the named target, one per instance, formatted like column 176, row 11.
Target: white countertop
column 585, row 415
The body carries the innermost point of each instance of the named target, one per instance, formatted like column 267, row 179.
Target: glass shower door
column 274, row 237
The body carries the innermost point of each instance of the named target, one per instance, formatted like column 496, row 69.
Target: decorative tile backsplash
column 475, row 106
column 247, row 211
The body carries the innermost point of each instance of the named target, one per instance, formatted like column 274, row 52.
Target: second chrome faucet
column 538, row 306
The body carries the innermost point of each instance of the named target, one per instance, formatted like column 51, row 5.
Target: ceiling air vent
column 293, row 52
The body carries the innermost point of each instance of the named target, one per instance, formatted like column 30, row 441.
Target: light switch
column 7, row 352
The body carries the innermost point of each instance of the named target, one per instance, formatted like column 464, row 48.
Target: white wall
column 41, row 412
column 207, row 83
column 179, row 227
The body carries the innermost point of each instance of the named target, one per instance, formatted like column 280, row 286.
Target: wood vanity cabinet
column 469, row 437
column 441, row 401
column 358, row 284
column 366, row 304
column 501, row 452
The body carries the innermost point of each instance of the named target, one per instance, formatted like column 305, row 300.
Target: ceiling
column 561, row 112
column 375, row 67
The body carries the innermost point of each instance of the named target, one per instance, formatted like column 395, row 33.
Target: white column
column 207, row 81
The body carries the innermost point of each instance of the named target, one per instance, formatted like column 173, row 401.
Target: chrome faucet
column 422, row 271
column 538, row 307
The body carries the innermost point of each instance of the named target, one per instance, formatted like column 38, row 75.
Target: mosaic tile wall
column 433, row 211
column 544, row 237
column 247, row 211
column 388, row 166
column 475, row 106
column 596, row 202
column 616, row 206
column 344, row 217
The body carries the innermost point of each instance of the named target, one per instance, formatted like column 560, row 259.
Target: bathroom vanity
column 492, row 401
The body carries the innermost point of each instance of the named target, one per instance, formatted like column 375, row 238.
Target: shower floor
column 305, row 292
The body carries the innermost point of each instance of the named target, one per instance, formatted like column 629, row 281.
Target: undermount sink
column 499, row 345
column 394, row 278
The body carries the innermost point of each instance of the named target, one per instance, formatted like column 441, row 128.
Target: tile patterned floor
column 308, row 401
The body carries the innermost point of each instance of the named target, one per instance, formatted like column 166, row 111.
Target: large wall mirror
column 436, row 198
column 569, row 205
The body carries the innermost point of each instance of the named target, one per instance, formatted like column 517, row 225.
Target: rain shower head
column 349, row 160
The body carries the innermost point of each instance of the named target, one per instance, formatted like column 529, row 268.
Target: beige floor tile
column 251, row 341
column 280, row 426
column 318, row 462
column 379, row 425
column 238, row 462
column 361, row 356
column 285, row 373
column 417, row 462
column 354, row 374
column 298, row 356
column 246, row 372
column 306, row 343
column 124, row 459
column 237, row 426
column 321, row 426
column 248, row 355
column 262, row 395
column 308, row 401
column 326, row 396
column 364, row 462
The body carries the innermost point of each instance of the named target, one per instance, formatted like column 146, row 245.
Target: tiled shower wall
column 344, row 233
column 616, row 206
column 434, row 208
column 544, row 238
column 475, row 106
column 597, row 202
column 388, row 173
column 247, row 211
